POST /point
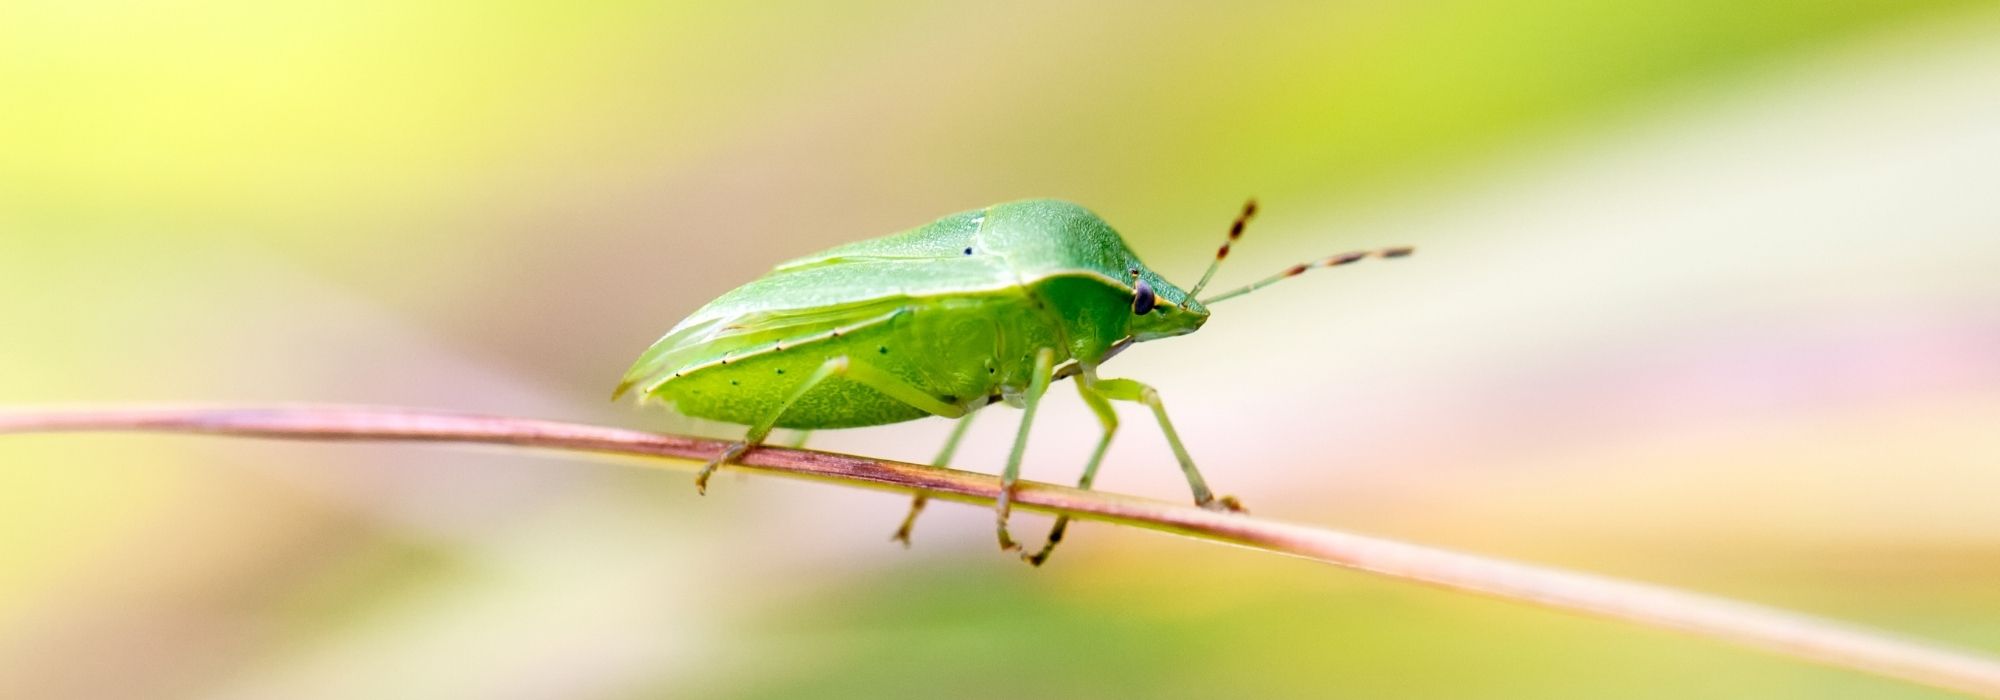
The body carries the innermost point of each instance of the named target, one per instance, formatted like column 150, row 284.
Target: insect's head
column 1160, row 309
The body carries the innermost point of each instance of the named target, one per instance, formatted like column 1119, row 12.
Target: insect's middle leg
column 1129, row 390
column 943, row 459
column 1045, row 362
column 862, row 373
column 799, row 438
column 1105, row 417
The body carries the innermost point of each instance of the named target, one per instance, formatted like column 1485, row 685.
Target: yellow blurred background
column 1708, row 295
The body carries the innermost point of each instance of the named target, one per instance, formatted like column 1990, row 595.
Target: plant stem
column 1750, row 625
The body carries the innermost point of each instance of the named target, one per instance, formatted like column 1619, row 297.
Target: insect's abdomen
column 953, row 349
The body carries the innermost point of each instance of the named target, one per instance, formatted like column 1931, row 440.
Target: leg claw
column 1049, row 547
column 701, row 479
column 910, row 520
column 1225, row 504
column 708, row 470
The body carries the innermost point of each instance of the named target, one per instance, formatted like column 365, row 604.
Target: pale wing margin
column 837, row 286
column 707, row 340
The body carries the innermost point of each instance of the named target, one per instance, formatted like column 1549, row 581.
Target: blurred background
column 1708, row 294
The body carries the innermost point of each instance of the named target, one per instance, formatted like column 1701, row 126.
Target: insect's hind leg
column 943, row 459
column 1109, row 419
column 1129, row 390
column 861, row 373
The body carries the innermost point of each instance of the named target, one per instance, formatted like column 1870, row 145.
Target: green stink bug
column 975, row 308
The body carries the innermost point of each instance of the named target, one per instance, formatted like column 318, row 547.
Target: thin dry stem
column 1799, row 636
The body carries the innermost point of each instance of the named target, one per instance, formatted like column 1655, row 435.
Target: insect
column 979, row 307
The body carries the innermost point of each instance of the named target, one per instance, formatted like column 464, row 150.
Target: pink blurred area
column 1722, row 318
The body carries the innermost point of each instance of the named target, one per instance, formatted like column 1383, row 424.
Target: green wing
column 816, row 293
column 945, row 238
column 931, row 260
column 698, row 342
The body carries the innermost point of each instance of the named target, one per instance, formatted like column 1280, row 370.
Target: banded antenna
column 1235, row 232
column 1299, row 269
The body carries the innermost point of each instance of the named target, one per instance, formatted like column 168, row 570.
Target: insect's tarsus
column 942, row 460
column 1296, row 270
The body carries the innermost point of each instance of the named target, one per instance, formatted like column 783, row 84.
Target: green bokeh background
column 1706, row 297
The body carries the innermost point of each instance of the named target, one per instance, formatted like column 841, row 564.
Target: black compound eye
column 1143, row 299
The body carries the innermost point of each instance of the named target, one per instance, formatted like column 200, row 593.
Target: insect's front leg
column 943, row 459
column 1105, row 417
column 1045, row 362
column 1129, row 390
